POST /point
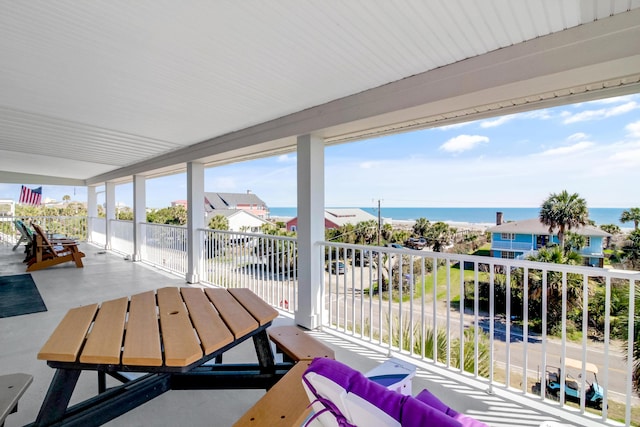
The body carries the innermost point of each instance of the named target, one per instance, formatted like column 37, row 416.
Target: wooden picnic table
column 169, row 334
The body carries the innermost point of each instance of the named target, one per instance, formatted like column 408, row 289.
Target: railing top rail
column 492, row 261
column 45, row 216
column 153, row 224
column 250, row 234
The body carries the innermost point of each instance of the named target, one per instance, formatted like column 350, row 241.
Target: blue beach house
column 518, row 239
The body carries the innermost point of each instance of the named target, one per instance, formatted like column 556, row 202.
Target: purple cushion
column 428, row 398
column 406, row 410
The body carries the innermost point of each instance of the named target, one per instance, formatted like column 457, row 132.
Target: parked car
column 416, row 243
column 338, row 267
column 395, row 245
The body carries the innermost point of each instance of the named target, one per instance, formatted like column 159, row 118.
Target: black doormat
column 19, row 295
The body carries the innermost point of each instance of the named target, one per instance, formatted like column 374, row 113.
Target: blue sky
column 592, row 149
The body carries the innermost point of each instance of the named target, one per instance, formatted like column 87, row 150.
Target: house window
column 294, row 228
column 587, row 241
column 508, row 255
column 507, row 236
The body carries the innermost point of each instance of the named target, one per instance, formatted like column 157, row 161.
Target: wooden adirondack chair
column 26, row 235
column 48, row 253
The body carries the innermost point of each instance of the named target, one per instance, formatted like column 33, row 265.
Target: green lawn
column 441, row 290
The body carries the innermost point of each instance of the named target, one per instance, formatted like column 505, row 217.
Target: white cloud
column 633, row 129
column 369, row 164
column 463, row 143
column 571, row 149
column 286, row 158
column 579, row 136
column 623, row 98
column 600, row 114
column 538, row 114
column 497, row 122
column 626, row 158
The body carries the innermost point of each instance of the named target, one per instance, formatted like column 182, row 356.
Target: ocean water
column 473, row 215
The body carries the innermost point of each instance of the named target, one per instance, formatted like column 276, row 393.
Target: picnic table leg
column 57, row 399
column 102, row 382
column 266, row 358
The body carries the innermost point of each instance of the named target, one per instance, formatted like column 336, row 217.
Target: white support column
column 310, row 230
column 92, row 211
column 195, row 219
column 139, row 214
column 110, row 210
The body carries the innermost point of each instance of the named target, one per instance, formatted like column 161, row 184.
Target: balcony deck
column 106, row 276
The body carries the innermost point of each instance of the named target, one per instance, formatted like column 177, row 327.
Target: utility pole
column 379, row 223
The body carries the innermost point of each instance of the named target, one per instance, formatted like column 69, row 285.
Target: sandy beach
column 408, row 224
column 460, row 226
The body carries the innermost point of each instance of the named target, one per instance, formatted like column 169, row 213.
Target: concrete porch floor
column 108, row 276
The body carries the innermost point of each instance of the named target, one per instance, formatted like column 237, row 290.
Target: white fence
column 265, row 264
column 97, row 233
column 121, row 236
column 506, row 322
column 165, row 246
column 518, row 319
column 70, row 226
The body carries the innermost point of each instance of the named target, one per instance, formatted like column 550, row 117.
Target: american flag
column 29, row 196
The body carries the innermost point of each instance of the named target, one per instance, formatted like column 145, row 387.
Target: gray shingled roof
column 534, row 226
column 231, row 200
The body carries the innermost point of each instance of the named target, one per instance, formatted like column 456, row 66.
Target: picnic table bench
column 12, row 387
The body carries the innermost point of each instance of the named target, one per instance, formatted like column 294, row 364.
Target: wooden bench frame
column 296, row 345
column 12, row 387
column 287, row 403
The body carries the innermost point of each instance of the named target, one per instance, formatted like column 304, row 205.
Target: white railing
column 97, row 232
column 504, row 344
column 121, row 236
column 165, row 246
column 510, row 338
column 70, row 226
column 266, row 264
column 596, row 252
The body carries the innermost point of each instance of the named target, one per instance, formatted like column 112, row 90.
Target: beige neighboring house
column 338, row 217
column 239, row 219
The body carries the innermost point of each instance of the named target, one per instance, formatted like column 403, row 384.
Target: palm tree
column 439, row 235
column 219, row 222
column 632, row 215
column 611, row 229
column 421, row 227
column 575, row 242
column 556, row 255
column 631, row 249
column 366, row 231
column 564, row 211
column 387, row 231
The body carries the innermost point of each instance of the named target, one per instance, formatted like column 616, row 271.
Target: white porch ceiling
column 100, row 90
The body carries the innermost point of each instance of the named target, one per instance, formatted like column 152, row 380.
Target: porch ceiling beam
column 587, row 56
column 26, row 178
